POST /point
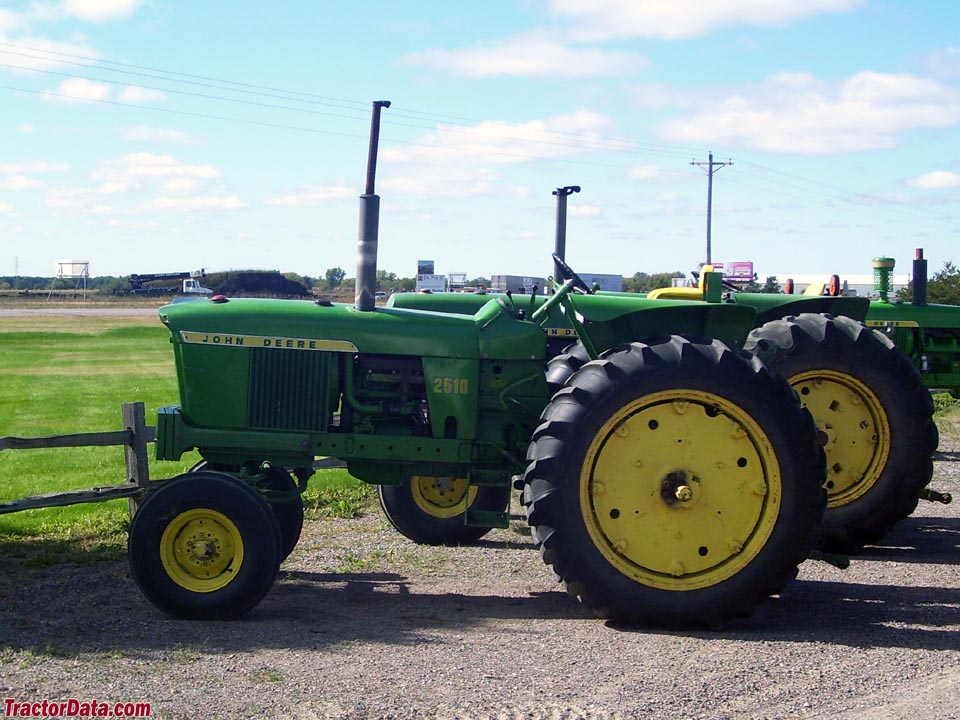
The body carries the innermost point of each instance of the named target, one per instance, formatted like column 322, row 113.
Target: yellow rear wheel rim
column 201, row 550
column 442, row 497
column 856, row 428
column 680, row 489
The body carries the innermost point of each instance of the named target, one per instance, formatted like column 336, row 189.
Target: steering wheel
column 569, row 274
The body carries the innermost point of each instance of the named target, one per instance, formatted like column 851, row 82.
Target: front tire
column 870, row 403
column 204, row 546
column 675, row 483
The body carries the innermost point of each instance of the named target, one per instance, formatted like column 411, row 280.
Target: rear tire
column 676, row 483
column 562, row 367
column 430, row 510
column 870, row 402
column 204, row 546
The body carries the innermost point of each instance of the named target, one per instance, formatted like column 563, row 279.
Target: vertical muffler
column 365, row 298
column 919, row 279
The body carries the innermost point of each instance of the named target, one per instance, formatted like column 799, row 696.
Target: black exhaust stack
column 560, row 245
column 919, row 279
column 365, row 299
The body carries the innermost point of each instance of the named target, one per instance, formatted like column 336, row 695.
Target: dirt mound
column 254, row 283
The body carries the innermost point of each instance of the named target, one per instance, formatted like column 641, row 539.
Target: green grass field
column 63, row 375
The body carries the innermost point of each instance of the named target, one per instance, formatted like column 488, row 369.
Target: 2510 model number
column 451, row 386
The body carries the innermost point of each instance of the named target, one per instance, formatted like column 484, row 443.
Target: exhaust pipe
column 560, row 244
column 365, row 298
column 919, row 279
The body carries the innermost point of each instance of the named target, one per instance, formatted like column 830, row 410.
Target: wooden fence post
column 135, row 453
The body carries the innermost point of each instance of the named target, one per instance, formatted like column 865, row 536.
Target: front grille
column 288, row 389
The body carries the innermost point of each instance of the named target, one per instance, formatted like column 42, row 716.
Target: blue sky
column 160, row 135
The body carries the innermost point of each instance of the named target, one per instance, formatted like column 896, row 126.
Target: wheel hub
column 857, row 431
column 680, row 489
column 201, row 550
column 676, row 489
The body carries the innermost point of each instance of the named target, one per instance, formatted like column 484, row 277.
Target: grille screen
column 288, row 389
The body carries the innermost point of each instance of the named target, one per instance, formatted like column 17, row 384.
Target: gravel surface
column 364, row 624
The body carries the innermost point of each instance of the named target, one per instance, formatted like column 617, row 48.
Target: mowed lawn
column 66, row 374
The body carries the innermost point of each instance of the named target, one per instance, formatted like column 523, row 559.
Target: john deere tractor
column 675, row 480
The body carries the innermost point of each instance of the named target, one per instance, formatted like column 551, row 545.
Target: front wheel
column 676, row 483
column 204, row 546
column 432, row 510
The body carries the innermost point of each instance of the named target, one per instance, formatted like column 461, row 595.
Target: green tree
column 334, row 276
column 944, row 287
column 645, row 282
column 772, row 285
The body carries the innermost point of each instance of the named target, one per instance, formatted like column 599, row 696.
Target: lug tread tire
column 243, row 506
column 577, row 412
column 809, row 341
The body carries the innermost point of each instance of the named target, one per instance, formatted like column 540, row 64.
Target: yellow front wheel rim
column 856, row 427
column 442, row 497
column 201, row 550
column 680, row 489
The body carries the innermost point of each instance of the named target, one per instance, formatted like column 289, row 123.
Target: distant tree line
column 942, row 288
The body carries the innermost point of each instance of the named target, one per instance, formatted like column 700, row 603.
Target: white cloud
column 314, row 195
column 180, row 185
column 40, row 53
column 35, row 166
column 497, row 142
column 9, row 20
column 648, row 173
column 153, row 134
column 7, row 208
column 99, row 10
column 70, row 198
column 25, row 128
column 945, row 63
column 936, row 180
column 18, row 182
column 583, row 210
column 442, row 181
column 675, row 19
column 135, row 94
column 796, row 113
column 230, row 202
column 79, row 89
column 150, row 165
column 528, row 55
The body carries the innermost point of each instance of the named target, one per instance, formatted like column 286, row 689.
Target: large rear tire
column 869, row 401
column 431, row 510
column 204, row 546
column 676, row 483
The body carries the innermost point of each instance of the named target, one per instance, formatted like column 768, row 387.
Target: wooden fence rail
column 134, row 437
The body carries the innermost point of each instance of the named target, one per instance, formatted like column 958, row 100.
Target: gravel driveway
column 364, row 624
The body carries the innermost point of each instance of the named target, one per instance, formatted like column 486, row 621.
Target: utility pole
column 711, row 168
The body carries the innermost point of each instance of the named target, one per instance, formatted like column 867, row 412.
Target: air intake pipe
column 365, row 298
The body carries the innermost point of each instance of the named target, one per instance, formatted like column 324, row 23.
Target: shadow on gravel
column 927, row 540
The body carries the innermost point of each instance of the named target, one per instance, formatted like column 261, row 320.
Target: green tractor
column 929, row 334
column 867, row 398
column 675, row 480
